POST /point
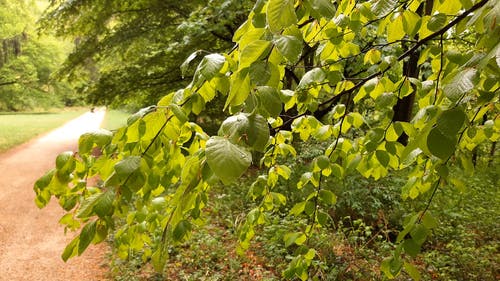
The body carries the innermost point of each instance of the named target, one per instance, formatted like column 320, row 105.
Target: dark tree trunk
column 403, row 109
column 492, row 153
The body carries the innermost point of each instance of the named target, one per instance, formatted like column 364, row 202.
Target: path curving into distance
column 31, row 239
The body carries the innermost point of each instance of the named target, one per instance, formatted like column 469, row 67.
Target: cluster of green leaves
column 302, row 71
column 27, row 61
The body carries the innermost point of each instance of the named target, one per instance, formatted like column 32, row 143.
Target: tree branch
column 8, row 83
column 325, row 106
column 330, row 101
column 443, row 30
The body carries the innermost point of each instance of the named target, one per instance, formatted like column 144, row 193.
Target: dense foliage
column 27, row 60
column 383, row 86
column 129, row 52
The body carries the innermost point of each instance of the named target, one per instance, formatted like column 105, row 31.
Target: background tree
column 27, row 61
column 129, row 52
column 301, row 72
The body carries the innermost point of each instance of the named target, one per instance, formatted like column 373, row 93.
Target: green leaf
column 316, row 75
column 234, row 128
column 463, row 82
column 298, row 208
column 289, row 46
column 441, row 145
column 103, row 205
column 86, row 236
column 101, row 137
column 419, row 233
column 311, row 253
column 327, row 197
column 429, row 221
column 228, row 161
column 251, row 129
column 71, row 249
column 467, row 164
column 185, row 64
column 63, row 158
column 260, row 72
column 85, row 143
column 179, row 113
column 294, row 238
column 443, row 171
column 128, row 165
column 270, row 100
column 411, row 247
column 323, row 7
column 87, row 206
column 253, row 52
column 258, row 132
column 392, row 134
column 239, row 90
column 309, row 208
column 323, row 162
column 181, row 230
column 44, row 181
column 278, row 198
column 372, row 56
column 151, row 124
column 449, row 7
column 412, row 271
column 159, row 259
column 209, row 66
column 395, row 30
column 411, row 23
column 382, row 157
column 280, row 14
column 451, row 121
column 383, row 7
column 323, row 218
column 436, row 22
column 408, row 225
column 386, row 100
column 391, row 266
column 141, row 113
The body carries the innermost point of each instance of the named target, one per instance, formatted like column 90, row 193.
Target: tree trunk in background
column 403, row 109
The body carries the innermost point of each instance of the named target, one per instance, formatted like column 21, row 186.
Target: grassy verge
column 115, row 119
column 17, row 128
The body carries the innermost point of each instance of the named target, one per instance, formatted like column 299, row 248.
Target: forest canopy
column 378, row 87
column 130, row 52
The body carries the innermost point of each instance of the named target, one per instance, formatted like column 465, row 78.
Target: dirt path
column 31, row 240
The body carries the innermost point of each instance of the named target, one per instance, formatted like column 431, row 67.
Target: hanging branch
column 444, row 29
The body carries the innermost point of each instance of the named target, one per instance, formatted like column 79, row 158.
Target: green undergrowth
column 363, row 227
column 19, row 127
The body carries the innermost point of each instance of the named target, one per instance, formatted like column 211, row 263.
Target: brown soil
column 32, row 240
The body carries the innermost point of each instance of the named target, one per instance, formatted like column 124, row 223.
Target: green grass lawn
column 17, row 128
column 115, row 119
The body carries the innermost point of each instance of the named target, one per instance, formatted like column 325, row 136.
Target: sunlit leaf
column 280, row 14
column 324, row 8
column 86, row 236
column 436, row 22
column 383, row 7
column 463, row 82
column 228, row 161
column 289, row 46
column 128, row 165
